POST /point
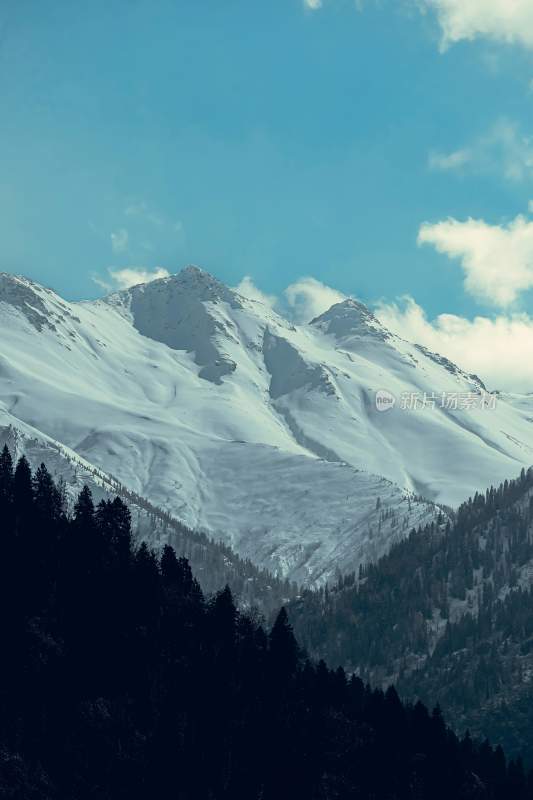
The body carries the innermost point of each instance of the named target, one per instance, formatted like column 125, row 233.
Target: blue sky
column 274, row 139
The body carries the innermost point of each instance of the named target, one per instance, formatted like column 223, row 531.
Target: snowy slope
column 214, row 564
column 237, row 422
column 303, row 537
column 71, row 473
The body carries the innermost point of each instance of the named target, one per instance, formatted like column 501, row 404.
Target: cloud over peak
column 301, row 302
column 498, row 350
column 129, row 276
column 248, row 289
column 307, row 298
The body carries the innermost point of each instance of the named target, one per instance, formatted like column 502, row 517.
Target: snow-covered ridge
column 239, row 423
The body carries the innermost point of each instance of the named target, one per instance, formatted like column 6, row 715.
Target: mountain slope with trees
column 214, row 563
column 446, row 615
column 119, row 679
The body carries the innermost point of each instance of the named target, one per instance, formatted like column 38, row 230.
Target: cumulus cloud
column 307, row 298
column 509, row 21
column 504, row 21
column 129, row 276
column 504, row 150
column 248, row 289
column 120, row 240
column 301, row 302
column 497, row 259
column 498, row 350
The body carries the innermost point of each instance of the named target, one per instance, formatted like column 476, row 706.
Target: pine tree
column 23, row 486
column 84, row 509
column 6, row 478
column 46, row 495
column 122, row 539
column 222, row 620
column 170, row 569
column 113, row 520
column 177, row 576
column 147, row 585
column 283, row 647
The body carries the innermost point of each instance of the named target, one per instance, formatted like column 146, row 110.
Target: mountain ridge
column 208, row 403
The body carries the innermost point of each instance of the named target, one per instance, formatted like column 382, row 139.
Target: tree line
column 120, row 679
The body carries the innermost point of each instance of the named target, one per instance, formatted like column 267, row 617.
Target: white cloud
column 443, row 161
column 513, row 149
column 120, row 240
column 136, row 209
column 248, row 289
column 505, row 150
column 497, row 259
column 314, row 5
column 129, row 276
column 509, row 21
column 498, row 350
column 301, row 302
column 307, row 298
column 101, row 282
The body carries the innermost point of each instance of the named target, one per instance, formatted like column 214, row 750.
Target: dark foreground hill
column 118, row 679
column 447, row 616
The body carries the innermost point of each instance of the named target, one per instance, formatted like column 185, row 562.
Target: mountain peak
column 9, row 280
column 350, row 318
column 196, row 272
column 199, row 280
column 41, row 306
column 191, row 274
column 186, row 312
column 192, row 281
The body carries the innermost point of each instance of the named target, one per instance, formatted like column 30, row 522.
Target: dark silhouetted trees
column 119, row 680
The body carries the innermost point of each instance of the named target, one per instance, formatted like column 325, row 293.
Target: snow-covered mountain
column 260, row 432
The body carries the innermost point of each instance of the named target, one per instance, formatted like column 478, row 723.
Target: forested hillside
column 214, row 563
column 119, row 679
column 447, row 616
